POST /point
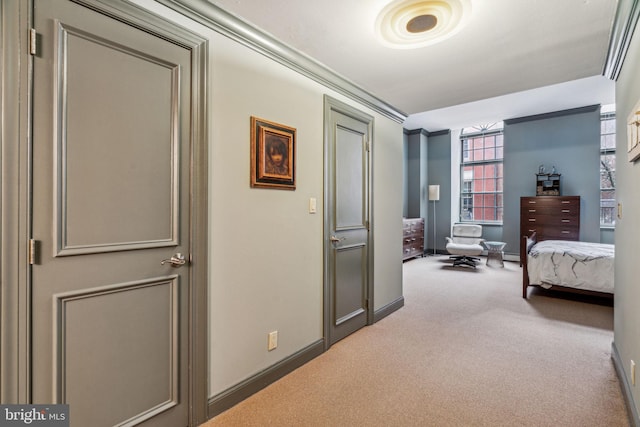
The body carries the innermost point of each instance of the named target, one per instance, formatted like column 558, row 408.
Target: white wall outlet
column 633, row 373
column 272, row 342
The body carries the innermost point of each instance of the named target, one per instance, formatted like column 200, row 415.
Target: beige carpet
column 466, row 350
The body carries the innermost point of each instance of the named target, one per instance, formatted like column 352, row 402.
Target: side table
column 495, row 254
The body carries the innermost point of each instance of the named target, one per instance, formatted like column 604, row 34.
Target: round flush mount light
column 409, row 24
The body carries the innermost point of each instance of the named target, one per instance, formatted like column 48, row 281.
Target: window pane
column 481, row 189
column 607, row 169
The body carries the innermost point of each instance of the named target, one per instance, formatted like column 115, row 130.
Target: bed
column 567, row 265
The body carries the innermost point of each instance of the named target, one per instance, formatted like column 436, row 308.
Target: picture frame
column 633, row 133
column 273, row 155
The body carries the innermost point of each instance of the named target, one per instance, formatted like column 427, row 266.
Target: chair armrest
column 449, row 240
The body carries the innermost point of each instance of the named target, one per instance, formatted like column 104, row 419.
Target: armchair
column 465, row 244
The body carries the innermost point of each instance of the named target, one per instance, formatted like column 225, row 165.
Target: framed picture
column 633, row 136
column 273, row 155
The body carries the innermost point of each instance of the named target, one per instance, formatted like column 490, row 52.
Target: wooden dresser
column 413, row 238
column 551, row 217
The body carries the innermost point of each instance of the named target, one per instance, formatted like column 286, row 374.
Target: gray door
column 111, row 153
column 347, row 282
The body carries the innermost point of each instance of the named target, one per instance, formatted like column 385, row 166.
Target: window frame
column 465, row 185
column 607, row 151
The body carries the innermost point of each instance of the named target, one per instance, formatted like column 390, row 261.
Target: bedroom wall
column 439, row 173
column 627, row 233
column 417, row 172
column 568, row 140
column 266, row 249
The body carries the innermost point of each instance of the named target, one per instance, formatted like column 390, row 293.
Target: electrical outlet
column 272, row 341
column 633, row 373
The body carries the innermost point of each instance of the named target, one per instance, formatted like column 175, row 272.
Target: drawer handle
column 532, row 220
column 566, row 202
column 532, row 210
column 565, row 232
column 532, row 202
column 566, row 210
column 566, row 220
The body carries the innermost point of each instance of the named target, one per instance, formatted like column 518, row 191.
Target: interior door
column 111, row 175
column 348, row 138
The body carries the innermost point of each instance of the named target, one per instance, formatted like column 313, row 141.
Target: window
column 607, row 168
column 481, row 173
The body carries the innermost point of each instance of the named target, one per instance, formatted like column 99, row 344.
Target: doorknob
column 334, row 239
column 177, row 260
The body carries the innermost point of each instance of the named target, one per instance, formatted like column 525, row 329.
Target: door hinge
column 367, row 146
column 366, row 224
column 33, row 41
column 33, row 251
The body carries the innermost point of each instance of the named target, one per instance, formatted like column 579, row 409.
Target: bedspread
column 581, row 265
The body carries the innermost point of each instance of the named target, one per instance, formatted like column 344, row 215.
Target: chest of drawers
column 413, row 238
column 551, row 217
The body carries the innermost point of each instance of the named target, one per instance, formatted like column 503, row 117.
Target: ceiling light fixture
column 409, row 24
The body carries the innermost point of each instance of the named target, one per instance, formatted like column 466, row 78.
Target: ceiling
column 514, row 57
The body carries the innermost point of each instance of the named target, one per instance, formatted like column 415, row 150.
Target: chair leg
column 465, row 260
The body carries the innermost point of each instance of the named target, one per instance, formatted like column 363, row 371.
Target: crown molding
column 252, row 37
column 624, row 25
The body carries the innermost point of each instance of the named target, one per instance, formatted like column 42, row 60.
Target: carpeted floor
column 466, row 350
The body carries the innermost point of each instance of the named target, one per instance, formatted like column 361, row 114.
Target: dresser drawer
column 549, row 201
column 561, row 233
column 566, row 210
column 555, row 220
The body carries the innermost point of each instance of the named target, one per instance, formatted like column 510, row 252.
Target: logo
column 34, row 415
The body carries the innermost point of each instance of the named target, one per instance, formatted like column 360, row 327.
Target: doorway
column 347, row 262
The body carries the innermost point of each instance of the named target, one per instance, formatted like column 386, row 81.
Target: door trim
column 333, row 105
column 15, row 189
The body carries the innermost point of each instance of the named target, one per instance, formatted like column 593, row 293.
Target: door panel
column 105, row 171
column 350, row 291
column 348, row 134
column 350, row 178
column 111, row 176
column 139, row 357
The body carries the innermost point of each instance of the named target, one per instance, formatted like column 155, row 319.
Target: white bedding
column 580, row 265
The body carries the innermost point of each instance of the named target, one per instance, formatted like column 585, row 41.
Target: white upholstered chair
column 465, row 244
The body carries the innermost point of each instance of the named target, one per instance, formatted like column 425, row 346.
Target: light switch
column 312, row 205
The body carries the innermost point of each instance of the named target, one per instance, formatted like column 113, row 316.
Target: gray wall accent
column 607, row 235
column 416, row 174
column 439, row 173
column 568, row 140
column 405, row 173
column 240, row 31
column 627, row 234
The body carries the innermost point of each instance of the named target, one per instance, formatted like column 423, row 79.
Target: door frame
column 16, row 77
column 333, row 105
